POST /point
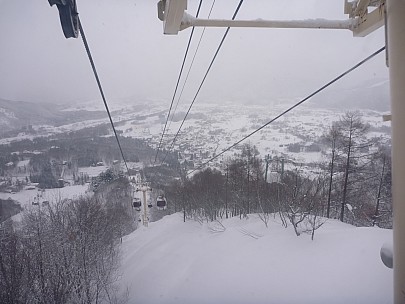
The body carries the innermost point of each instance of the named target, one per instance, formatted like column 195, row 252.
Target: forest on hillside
column 354, row 186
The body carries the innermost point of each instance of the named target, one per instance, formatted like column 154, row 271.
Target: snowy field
column 245, row 262
column 92, row 171
column 26, row 197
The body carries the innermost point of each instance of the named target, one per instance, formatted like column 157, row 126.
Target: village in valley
column 41, row 161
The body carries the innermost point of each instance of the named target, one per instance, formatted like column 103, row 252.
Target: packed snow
column 242, row 261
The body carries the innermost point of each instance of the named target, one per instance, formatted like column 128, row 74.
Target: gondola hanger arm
column 361, row 22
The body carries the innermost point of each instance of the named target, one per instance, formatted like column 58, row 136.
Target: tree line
column 353, row 185
column 66, row 251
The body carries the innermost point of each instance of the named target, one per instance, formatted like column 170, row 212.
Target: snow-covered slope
column 176, row 262
column 25, row 197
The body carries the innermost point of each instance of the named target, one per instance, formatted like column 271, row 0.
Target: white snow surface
column 176, row 262
column 93, row 171
column 25, row 197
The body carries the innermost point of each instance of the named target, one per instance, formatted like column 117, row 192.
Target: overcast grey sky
column 134, row 59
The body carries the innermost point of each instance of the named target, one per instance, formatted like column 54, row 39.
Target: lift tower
column 144, row 188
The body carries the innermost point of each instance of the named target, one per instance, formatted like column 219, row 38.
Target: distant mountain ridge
column 17, row 114
column 14, row 115
column 371, row 95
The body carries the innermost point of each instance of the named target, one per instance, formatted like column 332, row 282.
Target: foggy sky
column 135, row 61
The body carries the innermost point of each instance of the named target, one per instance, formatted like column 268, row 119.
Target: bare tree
column 333, row 138
column 383, row 201
column 64, row 252
column 13, row 275
column 303, row 202
column 353, row 130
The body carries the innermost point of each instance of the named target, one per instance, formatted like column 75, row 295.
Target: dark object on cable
column 69, row 17
column 136, row 202
column 161, row 201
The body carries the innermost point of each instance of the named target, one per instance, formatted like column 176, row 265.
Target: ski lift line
column 205, row 77
column 177, row 84
column 293, row 107
column 189, row 70
column 86, row 46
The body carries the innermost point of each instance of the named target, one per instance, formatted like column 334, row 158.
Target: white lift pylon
column 365, row 16
column 144, row 188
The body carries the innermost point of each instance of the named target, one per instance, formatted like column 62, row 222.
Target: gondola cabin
column 136, row 202
column 161, row 202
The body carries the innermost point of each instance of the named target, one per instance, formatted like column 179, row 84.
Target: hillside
column 15, row 114
column 19, row 114
column 240, row 261
column 371, row 95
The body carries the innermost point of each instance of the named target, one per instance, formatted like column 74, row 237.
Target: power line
column 205, row 76
column 178, row 81
column 86, row 46
column 294, row 106
column 191, row 65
